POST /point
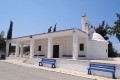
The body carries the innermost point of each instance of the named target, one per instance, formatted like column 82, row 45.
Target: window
column 39, row 48
column 81, row 47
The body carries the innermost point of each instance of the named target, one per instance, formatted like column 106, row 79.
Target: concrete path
column 58, row 73
column 10, row 71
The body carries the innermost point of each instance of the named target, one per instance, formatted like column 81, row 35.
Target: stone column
column 87, row 47
column 21, row 50
column 7, row 49
column 50, row 48
column 61, row 52
column 32, row 45
column 75, row 45
column 17, row 49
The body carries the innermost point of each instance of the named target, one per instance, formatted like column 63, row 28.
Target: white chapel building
column 73, row 43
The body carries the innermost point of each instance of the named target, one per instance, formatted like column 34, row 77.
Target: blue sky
column 36, row 16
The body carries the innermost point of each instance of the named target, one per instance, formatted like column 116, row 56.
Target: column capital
column 17, row 42
column 7, row 42
column 75, row 31
column 49, row 37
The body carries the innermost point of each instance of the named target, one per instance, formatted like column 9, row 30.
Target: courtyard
column 16, row 72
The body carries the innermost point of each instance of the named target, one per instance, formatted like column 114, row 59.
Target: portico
column 67, row 41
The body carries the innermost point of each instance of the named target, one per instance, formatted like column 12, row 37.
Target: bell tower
column 85, row 24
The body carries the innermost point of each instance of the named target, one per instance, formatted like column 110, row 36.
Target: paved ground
column 16, row 72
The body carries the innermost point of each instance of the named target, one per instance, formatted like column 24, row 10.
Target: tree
column 54, row 30
column 49, row 30
column 9, row 34
column 116, row 28
column 111, row 51
column 104, row 30
column 118, row 54
column 2, row 41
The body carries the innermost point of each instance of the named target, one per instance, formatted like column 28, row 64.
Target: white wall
column 60, row 43
column 65, row 46
column 68, row 46
column 82, row 41
column 97, row 50
column 43, row 45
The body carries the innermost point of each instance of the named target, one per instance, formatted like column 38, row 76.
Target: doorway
column 55, row 51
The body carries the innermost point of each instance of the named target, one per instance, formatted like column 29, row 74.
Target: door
column 55, row 51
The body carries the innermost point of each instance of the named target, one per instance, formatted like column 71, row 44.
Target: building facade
column 69, row 43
